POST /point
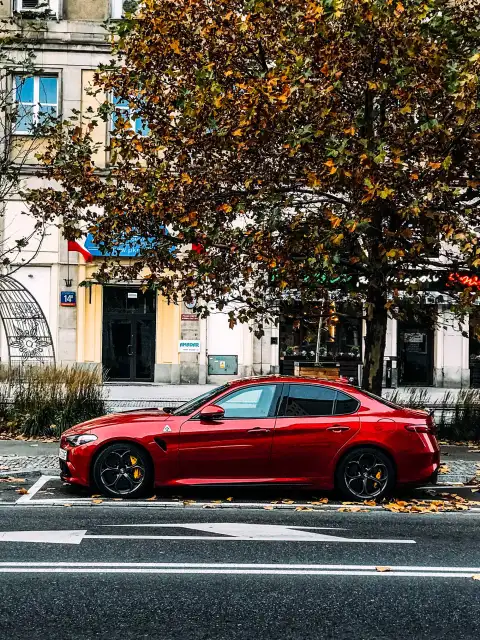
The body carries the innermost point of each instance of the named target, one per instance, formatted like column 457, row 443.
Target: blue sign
column 68, row 299
column 130, row 249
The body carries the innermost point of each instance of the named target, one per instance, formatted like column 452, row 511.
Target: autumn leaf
column 476, row 576
column 383, row 569
column 97, row 501
column 175, row 46
column 22, row 491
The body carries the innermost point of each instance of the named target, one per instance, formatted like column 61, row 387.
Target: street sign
column 68, row 299
column 189, row 317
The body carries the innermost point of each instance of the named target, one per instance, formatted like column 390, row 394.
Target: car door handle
column 338, row 428
column 258, row 430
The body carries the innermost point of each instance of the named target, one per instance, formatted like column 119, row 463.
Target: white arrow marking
column 53, row 537
column 228, row 532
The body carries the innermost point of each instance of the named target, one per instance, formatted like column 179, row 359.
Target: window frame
column 36, row 104
column 274, row 407
column 118, row 108
column 286, row 395
column 54, row 7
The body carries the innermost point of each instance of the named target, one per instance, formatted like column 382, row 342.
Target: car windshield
column 191, row 406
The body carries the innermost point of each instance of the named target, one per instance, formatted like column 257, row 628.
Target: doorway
column 415, row 355
column 128, row 349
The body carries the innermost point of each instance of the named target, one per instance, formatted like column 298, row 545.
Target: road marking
column 53, row 537
column 41, row 482
column 234, row 569
column 234, row 532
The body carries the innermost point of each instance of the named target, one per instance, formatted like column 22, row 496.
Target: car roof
column 275, row 378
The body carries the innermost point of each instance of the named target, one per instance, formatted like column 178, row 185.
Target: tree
column 19, row 41
column 294, row 142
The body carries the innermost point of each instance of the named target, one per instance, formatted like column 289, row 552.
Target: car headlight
column 75, row 441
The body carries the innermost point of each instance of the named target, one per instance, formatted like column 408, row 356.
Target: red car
column 270, row 430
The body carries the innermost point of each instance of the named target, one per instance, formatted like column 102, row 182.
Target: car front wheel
column 365, row 473
column 123, row 470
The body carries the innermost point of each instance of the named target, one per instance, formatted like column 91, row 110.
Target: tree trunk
column 374, row 341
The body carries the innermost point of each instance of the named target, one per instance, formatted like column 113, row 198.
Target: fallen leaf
column 370, row 503
column 22, row 491
column 67, row 504
column 97, row 501
column 383, row 569
column 151, row 499
column 208, row 506
column 476, row 576
column 229, row 499
column 288, row 501
column 96, row 495
column 302, row 508
column 268, row 508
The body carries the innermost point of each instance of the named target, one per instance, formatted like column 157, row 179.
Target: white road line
column 249, row 539
column 221, row 571
column 236, row 565
column 41, row 482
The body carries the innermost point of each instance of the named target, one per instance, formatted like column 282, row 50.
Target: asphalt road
column 236, row 574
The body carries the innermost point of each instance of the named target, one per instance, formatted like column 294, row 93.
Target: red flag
column 76, row 247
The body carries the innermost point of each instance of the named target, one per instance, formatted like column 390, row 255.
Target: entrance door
column 128, row 334
column 415, row 355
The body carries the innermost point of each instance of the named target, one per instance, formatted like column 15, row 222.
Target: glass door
column 128, row 334
column 117, row 348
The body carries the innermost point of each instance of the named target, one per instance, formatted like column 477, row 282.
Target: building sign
column 68, row 299
column 189, row 346
column 132, row 248
column 189, row 317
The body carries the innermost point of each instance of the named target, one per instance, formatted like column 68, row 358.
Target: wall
column 451, row 354
column 86, row 9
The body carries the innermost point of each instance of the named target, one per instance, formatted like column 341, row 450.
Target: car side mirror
column 212, row 412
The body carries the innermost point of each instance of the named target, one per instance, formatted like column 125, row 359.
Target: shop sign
column 414, row 337
column 68, row 299
column 189, row 317
column 189, row 346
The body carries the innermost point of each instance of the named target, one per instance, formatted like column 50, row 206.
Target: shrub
column 49, row 399
column 457, row 415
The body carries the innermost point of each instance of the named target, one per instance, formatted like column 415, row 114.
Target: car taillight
column 419, row 428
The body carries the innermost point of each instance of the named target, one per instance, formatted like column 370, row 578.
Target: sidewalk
column 130, row 396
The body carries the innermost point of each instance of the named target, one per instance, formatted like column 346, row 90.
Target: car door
column 314, row 423
column 236, row 448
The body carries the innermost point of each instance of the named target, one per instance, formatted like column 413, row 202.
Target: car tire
column 365, row 473
column 123, row 470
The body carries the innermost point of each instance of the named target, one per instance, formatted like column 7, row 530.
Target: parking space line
column 41, row 482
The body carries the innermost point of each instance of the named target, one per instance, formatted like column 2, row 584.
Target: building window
column 120, row 7
column 37, row 6
column 125, row 112
column 36, row 101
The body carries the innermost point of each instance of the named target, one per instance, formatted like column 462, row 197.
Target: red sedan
column 271, row 430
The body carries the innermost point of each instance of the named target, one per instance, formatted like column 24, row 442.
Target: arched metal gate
column 28, row 335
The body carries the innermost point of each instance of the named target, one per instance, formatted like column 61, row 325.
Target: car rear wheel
column 365, row 473
column 123, row 470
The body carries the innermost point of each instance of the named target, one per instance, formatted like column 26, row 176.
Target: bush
column 46, row 400
column 457, row 416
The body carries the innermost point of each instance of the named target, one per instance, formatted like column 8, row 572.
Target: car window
column 345, row 404
column 192, row 405
column 249, row 402
column 309, row 400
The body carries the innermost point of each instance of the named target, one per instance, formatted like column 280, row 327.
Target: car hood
column 116, row 419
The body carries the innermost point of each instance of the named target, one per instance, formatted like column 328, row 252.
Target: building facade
column 139, row 337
